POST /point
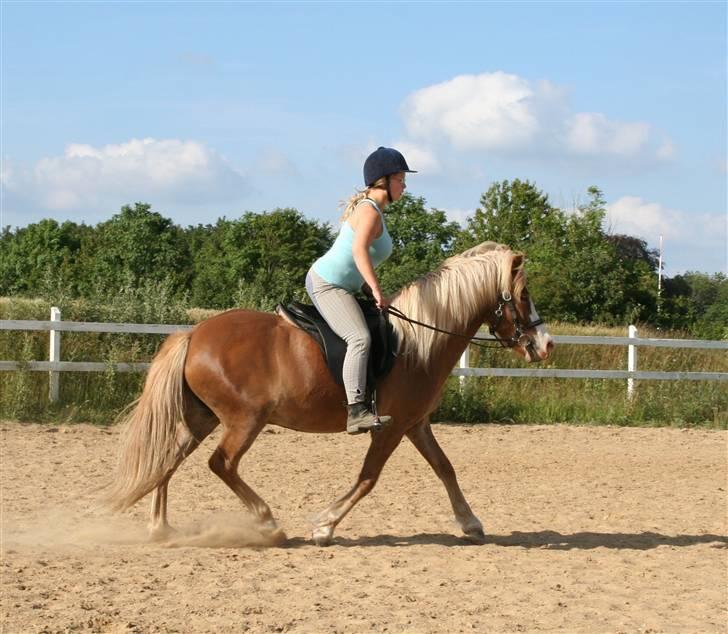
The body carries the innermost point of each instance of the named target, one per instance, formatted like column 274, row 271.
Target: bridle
column 519, row 335
column 519, row 338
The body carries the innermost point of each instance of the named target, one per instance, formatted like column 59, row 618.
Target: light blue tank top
column 337, row 265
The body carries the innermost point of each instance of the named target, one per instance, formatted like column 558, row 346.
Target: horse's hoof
column 270, row 531
column 323, row 536
column 277, row 537
column 475, row 536
column 161, row 533
column 267, row 526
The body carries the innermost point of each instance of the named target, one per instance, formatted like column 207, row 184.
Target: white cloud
column 418, row 157
column 594, row 133
column 85, row 177
column 486, row 111
column 689, row 238
column 634, row 216
column 505, row 113
column 667, row 150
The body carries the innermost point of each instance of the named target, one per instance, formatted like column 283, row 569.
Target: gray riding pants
column 341, row 311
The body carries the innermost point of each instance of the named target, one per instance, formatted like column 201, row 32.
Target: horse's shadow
column 549, row 540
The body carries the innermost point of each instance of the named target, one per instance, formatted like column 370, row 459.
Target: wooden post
column 631, row 361
column 464, row 363
column 55, row 355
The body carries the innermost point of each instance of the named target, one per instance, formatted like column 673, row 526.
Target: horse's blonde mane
column 452, row 296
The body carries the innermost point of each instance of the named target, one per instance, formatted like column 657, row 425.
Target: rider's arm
column 367, row 226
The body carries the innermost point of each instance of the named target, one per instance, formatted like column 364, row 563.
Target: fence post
column 464, row 363
column 631, row 361
column 55, row 355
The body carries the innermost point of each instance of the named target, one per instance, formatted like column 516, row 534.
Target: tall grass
column 98, row 397
column 84, row 396
column 593, row 401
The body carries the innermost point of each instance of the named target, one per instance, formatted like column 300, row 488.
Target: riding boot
column 361, row 419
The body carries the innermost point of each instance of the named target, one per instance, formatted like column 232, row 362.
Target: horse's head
column 515, row 322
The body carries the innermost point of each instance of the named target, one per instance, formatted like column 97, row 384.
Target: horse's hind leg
column 382, row 445
column 424, row 440
column 159, row 528
column 235, row 441
column 188, row 438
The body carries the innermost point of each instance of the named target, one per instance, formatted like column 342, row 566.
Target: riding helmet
column 383, row 162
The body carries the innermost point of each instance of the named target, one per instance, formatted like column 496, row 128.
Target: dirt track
column 590, row 530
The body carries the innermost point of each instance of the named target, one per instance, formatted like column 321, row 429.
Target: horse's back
column 241, row 342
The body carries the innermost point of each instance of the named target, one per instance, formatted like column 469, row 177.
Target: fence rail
column 92, row 326
column 55, row 326
column 553, row 373
column 165, row 329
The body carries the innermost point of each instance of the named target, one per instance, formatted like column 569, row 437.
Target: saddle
column 383, row 350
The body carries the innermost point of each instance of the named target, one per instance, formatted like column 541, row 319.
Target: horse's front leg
column 422, row 437
column 383, row 444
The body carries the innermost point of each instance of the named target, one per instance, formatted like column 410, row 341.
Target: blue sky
column 212, row 109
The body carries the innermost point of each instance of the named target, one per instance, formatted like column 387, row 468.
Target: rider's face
column 397, row 185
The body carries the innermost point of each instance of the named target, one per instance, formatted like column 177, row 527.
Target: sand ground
column 589, row 530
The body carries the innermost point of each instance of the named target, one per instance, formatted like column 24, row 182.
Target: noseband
column 519, row 337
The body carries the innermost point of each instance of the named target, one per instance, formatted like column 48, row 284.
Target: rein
column 516, row 339
column 396, row 312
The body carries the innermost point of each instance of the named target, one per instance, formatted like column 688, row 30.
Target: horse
column 245, row 369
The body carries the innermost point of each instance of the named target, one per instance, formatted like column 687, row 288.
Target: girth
column 383, row 349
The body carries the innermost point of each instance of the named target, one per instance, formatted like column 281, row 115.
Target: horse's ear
column 519, row 259
column 518, row 276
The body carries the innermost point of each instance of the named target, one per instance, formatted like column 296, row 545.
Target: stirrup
column 360, row 419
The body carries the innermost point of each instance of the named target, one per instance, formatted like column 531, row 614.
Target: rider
column 348, row 266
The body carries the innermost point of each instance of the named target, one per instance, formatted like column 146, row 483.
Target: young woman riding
column 363, row 244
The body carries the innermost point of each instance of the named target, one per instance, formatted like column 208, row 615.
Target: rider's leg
column 342, row 312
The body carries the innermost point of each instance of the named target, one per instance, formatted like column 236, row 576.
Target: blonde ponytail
column 350, row 205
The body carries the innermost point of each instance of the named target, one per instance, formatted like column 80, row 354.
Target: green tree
column 697, row 303
column 135, row 245
column 39, row 256
column 513, row 213
column 576, row 272
column 257, row 260
column 421, row 239
column 588, row 279
column 713, row 323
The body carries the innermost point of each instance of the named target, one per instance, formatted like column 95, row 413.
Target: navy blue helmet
column 383, row 162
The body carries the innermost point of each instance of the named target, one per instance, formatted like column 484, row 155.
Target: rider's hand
column 382, row 301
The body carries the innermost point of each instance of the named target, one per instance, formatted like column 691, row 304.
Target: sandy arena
column 589, row 530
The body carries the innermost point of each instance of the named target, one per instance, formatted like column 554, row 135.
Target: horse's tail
column 148, row 446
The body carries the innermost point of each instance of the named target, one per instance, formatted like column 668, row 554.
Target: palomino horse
column 245, row 370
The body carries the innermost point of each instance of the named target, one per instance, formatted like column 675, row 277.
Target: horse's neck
column 442, row 364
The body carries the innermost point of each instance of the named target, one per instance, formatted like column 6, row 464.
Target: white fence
column 54, row 365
